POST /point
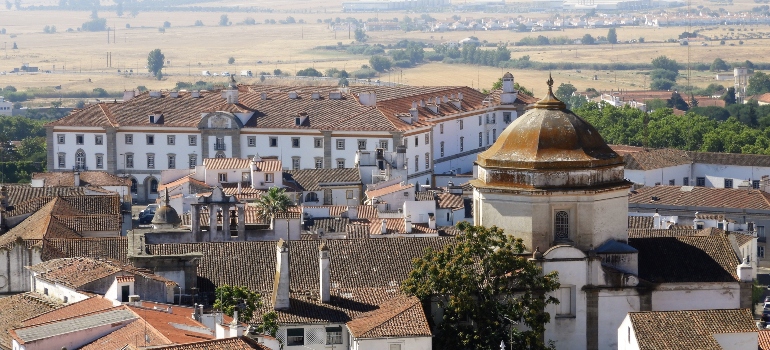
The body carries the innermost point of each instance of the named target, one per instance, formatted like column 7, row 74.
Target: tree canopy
column 360, row 35
column 237, row 298
column 759, row 83
column 380, row 63
column 612, row 36
column 483, row 277
column 273, row 201
column 155, row 61
column 719, row 65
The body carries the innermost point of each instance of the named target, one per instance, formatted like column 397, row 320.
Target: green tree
column 198, row 23
column 759, row 83
column 223, row 20
column 309, row 72
column 729, row 96
column 676, row 101
column 360, row 35
column 587, row 40
column 118, row 8
column 155, row 61
column 380, row 63
column 166, row 24
column 564, row 91
column 237, row 298
column 663, row 62
column 719, row 65
column 343, row 82
column 269, row 326
column 484, row 278
column 273, row 201
column 612, row 36
column 277, row 71
column 231, row 60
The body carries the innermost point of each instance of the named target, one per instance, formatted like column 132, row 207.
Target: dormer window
column 152, row 119
column 297, row 121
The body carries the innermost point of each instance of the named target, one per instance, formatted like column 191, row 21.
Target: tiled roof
column 658, row 232
column 277, row 110
column 449, row 201
column 686, row 259
column 17, row 308
column 398, row 226
column 165, row 322
column 694, row 196
column 315, row 179
column 245, row 193
column 398, row 317
column 364, row 272
column 77, row 272
column 40, row 225
column 638, row 158
column 328, row 225
column 226, row 163
column 87, row 178
column 269, row 165
column 640, row 222
column 110, row 248
column 18, row 194
column 196, row 186
column 690, row 329
column 764, row 339
column 242, row 343
column 131, row 336
column 730, row 159
column 388, row 190
column 655, row 159
column 367, row 212
column 92, row 304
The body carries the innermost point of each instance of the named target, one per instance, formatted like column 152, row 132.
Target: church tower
column 550, row 179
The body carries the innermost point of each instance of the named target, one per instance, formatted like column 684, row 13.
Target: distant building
column 6, row 108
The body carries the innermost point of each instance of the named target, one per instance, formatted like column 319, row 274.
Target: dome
column 549, row 136
column 166, row 216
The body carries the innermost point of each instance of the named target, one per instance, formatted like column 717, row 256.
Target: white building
column 442, row 128
column 552, row 181
column 6, row 108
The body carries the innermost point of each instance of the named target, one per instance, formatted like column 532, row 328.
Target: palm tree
column 273, row 201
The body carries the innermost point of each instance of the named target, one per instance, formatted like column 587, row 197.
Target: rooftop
column 688, row 330
column 318, row 179
column 400, row 316
column 17, row 308
column 87, row 178
column 686, row 259
column 696, row 196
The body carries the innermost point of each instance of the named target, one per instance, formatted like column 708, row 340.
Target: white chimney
column 155, row 94
column 77, row 178
column 293, row 95
column 460, row 96
column 173, row 94
column 281, row 283
column 128, row 94
column 263, row 96
column 323, row 263
column 656, row 224
column 316, row 95
column 384, row 227
column 432, row 222
column 408, row 224
column 368, row 98
column 195, row 94
column 745, row 271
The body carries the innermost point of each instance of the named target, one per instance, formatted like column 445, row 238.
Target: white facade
column 416, row 343
column 700, row 174
column 6, row 108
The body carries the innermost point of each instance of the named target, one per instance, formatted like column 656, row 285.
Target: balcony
column 220, row 146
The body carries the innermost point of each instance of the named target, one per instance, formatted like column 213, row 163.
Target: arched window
column 153, row 186
column 311, row 197
column 220, row 154
column 133, row 186
column 80, row 159
column 561, row 226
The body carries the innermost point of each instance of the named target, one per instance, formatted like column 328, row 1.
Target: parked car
column 766, row 305
column 767, row 299
column 146, row 215
column 225, row 74
column 765, row 316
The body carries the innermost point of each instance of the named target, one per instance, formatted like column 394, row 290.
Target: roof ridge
column 108, row 114
column 402, row 307
column 76, row 316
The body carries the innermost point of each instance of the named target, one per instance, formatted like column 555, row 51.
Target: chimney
column 353, row 212
column 745, row 271
column 316, row 95
column 656, row 224
column 408, row 224
column 77, row 178
column 460, row 96
column 431, row 221
column 293, row 95
column 368, row 98
column 384, row 227
column 413, row 111
column 173, row 94
column 323, row 263
column 128, row 94
column 281, row 282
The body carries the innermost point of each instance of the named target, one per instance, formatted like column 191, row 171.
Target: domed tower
column 166, row 216
column 550, row 179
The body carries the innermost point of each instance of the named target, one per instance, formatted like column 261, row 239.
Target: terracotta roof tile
column 131, row 336
column 367, row 212
column 164, row 322
column 655, row 159
column 87, row 178
column 397, row 226
column 653, row 232
column 226, row 163
column 449, row 201
column 316, row 179
column 92, row 304
column 686, row 259
column 688, row 330
column 40, row 225
column 17, row 308
column 400, row 316
column 387, row 190
column 764, row 339
column 269, row 165
column 640, row 222
column 110, row 248
column 242, row 343
column 701, row 197
column 196, row 186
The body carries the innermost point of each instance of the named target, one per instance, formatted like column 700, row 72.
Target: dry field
column 78, row 59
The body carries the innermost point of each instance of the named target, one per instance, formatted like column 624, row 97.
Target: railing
column 220, row 146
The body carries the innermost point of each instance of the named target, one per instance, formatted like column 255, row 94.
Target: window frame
column 728, row 181
column 221, row 177
column 333, row 335
column 192, row 140
column 441, row 148
column 192, row 161
column 150, row 139
column 427, row 160
column 98, row 140
column 755, row 184
column 319, row 163
column 481, row 138
column 269, row 177
column 171, row 140
column 61, row 160
column 296, row 163
column 686, row 181
column 340, row 163
column 251, row 141
column 417, row 163
column 427, row 138
column 461, row 124
column 384, row 144
column 318, row 142
column 295, row 142
column 462, row 141
column 340, row 143
column 128, row 161
column 150, row 160
column 272, row 141
column 441, row 128
column 361, row 144
column 700, row 181
column 99, row 161
column 561, row 225
column 171, row 161
column 80, row 139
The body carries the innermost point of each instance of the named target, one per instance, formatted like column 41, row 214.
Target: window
column 269, row 177
column 78, row 139
column 222, row 177
column 462, row 139
column 728, row 183
column 700, row 181
column 427, row 139
column 755, row 184
column 129, row 160
column 494, row 135
column 685, row 181
column 150, row 139
column 349, row 194
column 62, row 160
column 340, row 164
column 153, row 186
column 480, row 139
column 760, row 252
column 171, row 140
column 295, row 142
column 319, row 163
column 273, row 142
column 487, row 137
column 251, row 141
column 384, row 144
column 566, row 297
column 150, row 161
column 671, row 182
column 416, row 141
column 98, row 140
column 394, row 346
column 362, row 144
column 45, row 291
column 172, row 161
column 65, row 299
column 193, row 161
column 441, row 148
column 246, row 176
column 99, row 161
column 60, row 139
column 134, row 189
column 318, row 142
column 427, row 161
column 129, row 139
column 760, row 231
column 311, row 197
column 295, row 163
column 340, row 144
column 506, row 117
column 561, row 226
column 333, row 335
column 479, row 120
column 406, row 193
column 441, row 128
column 461, row 124
column 494, row 118
column 192, row 140
column 219, row 144
column 416, row 163
column 80, row 160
